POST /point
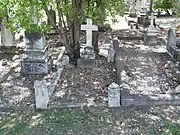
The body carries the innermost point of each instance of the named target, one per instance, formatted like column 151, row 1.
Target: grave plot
column 16, row 89
column 83, row 85
column 144, row 70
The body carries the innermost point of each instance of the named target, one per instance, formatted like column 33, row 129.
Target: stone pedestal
column 35, row 59
column 151, row 35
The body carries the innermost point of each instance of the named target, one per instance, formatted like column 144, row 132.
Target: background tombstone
column 7, row 37
column 151, row 34
column 133, row 12
column 52, row 14
column 173, row 45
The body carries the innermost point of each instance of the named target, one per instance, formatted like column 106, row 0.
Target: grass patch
column 86, row 121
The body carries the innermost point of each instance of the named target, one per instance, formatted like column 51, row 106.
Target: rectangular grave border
column 158, row 99
column 150, row 100
column 51, row 85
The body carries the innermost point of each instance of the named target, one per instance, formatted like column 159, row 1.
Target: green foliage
column 163, row 4
column 171, row 129
column 98, row 10
column 21, row 11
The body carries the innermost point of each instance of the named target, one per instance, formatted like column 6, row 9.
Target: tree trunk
column 78, row 10
column 95, row 37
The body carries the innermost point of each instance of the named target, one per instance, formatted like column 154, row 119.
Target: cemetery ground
column 91, row 121
column 145, row 72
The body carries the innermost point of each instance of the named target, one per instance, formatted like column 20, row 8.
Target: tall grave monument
column 35, row 59
column 87, row 54
column 151, row 34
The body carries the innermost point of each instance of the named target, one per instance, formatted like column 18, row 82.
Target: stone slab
column 131, row 37
column 36, row 54
column 41, row 94
column 159, row 99
column 86, row 63
column 29, row 66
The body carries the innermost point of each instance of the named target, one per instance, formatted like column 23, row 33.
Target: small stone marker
column 41, row 93
column 114, row 95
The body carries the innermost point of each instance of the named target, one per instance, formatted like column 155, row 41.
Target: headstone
column 87, row 55
column 133, row 12
column 151, row 34
column 52, row 14
column 35, row 59
column 41, row 94
column 143, row 18
column 107, row 51
column 7, row 37
column 114, row 95
column 172, row 45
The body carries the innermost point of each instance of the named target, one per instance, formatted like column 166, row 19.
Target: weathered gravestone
column 7, row 37
column 142, row 17
column 151, row 34
column 35, row 59
column 41, row 93
column 133, row 12
column 114, row 95
column 173, row 45
column 87, row 55
column 107, row 51
column 52, row 18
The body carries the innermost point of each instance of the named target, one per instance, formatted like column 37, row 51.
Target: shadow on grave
column 17, row 90
column 91, row 120
column 143, row 75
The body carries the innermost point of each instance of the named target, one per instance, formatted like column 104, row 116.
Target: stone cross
column 89, row 28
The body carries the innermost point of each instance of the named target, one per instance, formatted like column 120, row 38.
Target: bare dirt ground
column 85, row 85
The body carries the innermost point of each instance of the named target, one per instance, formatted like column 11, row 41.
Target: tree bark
column 78, row 10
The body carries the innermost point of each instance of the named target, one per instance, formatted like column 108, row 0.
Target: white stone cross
column 89, row 28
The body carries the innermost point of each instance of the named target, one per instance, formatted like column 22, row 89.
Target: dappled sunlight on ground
column 17, row 90
column 145, row 71
column 92, row 120
column 85, row 85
